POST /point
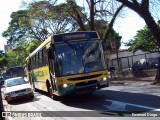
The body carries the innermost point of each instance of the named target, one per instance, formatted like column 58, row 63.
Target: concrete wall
column 142, row 73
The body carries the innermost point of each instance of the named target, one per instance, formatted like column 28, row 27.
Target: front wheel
column 9, row 101
column 31, row 97
column 50, row 92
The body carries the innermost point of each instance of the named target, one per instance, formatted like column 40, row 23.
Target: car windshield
column 79, row 57
column 16, row 81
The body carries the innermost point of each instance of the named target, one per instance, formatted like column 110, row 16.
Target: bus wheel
column 49, row 90
column 51, row 93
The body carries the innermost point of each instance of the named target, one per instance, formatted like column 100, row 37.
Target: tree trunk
column 152, row 26
column 142, row 9
column 156, row 33
column 91, row 23
column 110, row 25
column 157, row 78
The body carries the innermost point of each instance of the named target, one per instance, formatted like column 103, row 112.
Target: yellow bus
column 69, row 63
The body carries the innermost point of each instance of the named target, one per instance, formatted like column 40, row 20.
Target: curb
column 6, row 109
column 115, row 82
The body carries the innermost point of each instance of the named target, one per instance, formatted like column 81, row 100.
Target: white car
column 15, row 88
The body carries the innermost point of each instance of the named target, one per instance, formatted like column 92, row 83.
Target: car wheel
column 32, row 97
column 50, row 92
column 9, row 101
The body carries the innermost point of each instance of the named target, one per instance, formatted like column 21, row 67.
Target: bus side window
column 50, row 54
column 44, row 58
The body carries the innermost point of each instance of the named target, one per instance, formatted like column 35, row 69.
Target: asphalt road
column 115, row 102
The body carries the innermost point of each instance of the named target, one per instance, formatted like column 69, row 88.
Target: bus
column 17, row 71
column 69, row 63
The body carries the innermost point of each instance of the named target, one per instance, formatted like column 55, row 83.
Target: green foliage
column 112, row 36
column 3, row 60
column 101, row 26
column 43, row 18
column 15, row 32
column 144, row 41
column 17, row 56
column 40, row 20
column 32, row 45
column 117, row 38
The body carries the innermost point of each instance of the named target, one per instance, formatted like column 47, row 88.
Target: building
column 7, row 48
column 125, row 59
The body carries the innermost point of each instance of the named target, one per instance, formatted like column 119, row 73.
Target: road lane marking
column 121, row 106
column 116, row 106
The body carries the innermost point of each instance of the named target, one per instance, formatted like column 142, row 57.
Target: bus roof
column 47, row 41
column 64, row 37
column 75, row 36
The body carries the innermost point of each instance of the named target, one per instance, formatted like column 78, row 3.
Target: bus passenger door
column 51, row 69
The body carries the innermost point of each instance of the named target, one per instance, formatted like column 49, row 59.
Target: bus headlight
column 65, row 85
column 104, row 79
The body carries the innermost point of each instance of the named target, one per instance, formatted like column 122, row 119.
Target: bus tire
column 49, row 89
column 50, row 92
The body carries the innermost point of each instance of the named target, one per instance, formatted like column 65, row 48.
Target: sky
column 6, row 8
column 126, row 27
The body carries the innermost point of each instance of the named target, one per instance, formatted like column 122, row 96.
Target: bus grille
column 86, row 83
column 84, row 77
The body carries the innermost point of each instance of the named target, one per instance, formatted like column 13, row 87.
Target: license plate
column 21, row 94
column 103, row 83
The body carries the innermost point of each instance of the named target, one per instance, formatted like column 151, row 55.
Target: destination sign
column 75, row 36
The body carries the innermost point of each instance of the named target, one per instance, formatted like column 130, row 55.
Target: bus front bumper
column 77, row 89
column 103, row 83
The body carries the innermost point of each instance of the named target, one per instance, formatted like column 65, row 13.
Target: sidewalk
column 132, row 81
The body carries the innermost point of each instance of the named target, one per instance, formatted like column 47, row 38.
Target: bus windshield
column 79, row 57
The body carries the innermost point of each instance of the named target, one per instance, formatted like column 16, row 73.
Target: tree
column 44, row 18
column 105, row 10
column 143, row 40
column 15, row 31
column 32, row 45
column 47, row 19
column 3, row 60
column 143, row 8
column 97, row 11
column 17, row 56
column 38, row 21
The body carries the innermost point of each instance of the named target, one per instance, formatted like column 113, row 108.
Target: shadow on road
column 97, row 100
